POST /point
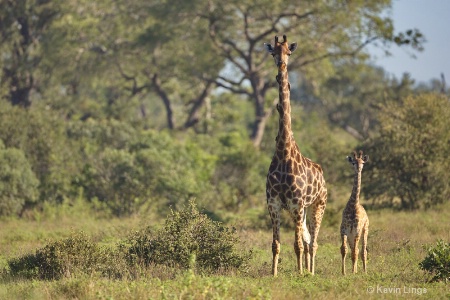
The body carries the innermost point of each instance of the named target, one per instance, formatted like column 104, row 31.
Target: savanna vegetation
column 135, row 137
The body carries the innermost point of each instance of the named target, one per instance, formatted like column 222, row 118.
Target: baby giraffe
column 355, row 222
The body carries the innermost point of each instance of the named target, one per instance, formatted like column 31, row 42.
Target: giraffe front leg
column 276, row 245
column 364, row 246
column 343, row 251
column 298, row 244
column 355, row 252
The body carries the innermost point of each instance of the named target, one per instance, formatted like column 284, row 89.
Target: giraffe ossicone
column 293, row 182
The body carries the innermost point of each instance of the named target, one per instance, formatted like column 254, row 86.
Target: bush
column 41, row 135
column 155, row 170
column 188, row 235
column 437, row 261
column 75, row 254
column 18, row 184
column 114, row 179
column 173, row 171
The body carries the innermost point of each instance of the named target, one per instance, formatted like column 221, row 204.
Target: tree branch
column 339, row 54
column 232, row 86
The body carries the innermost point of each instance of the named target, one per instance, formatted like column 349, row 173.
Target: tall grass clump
column 188, row 234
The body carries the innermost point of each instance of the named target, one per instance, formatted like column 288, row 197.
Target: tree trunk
column 194, row 114
column 162, row 94
column 259, row 88
column 259, row 126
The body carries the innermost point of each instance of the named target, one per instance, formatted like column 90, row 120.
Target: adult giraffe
column 294, row 182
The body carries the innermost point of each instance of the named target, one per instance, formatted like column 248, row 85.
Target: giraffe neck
column 285, row 137
column 354, row 198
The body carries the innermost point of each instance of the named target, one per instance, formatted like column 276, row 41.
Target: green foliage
column 147, row 167
column 409, row 161
column 188, row 239
column 66, row 257
column 351, row 96
column 240, row 173
column 41, row 136
column 95, row 135
column 18, row 184
column 174, row 171
column 437, row 261
column 114, row 179
column 95, row 106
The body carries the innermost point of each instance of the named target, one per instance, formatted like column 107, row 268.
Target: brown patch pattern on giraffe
column 294, row 182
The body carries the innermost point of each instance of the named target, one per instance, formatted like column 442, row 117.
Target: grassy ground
column 395, row 245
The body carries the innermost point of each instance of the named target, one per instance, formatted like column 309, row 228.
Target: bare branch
column 231, row 88
column 135, row 89
column 193, row 117
column 338, row 54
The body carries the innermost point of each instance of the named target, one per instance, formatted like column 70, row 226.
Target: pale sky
column 432, row 18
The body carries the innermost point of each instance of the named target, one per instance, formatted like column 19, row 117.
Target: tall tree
column 327, row 32
column 179, row 51
column 22, row 26
column 409, row 165
column 351, row 97
column 125, row 50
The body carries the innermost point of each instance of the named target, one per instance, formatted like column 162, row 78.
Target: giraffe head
column 358, row 161
column 281, row 52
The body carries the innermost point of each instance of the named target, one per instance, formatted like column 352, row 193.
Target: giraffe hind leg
column 318, row 209
column 306, row 243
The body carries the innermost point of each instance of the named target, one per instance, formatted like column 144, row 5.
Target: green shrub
column 174, row 171
column 157, row 170
column 114, row 179
column 18, row 184
column 437, row 261
column 62, row 258
column 239, row 174
column 41, row 135
column 188, row 234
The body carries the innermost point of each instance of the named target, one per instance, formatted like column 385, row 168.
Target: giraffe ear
column 349, row 159
column 268, row 47
column 292, row 47
column 366, row 158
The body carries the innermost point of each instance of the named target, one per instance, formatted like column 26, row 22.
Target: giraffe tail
column 306, row 235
